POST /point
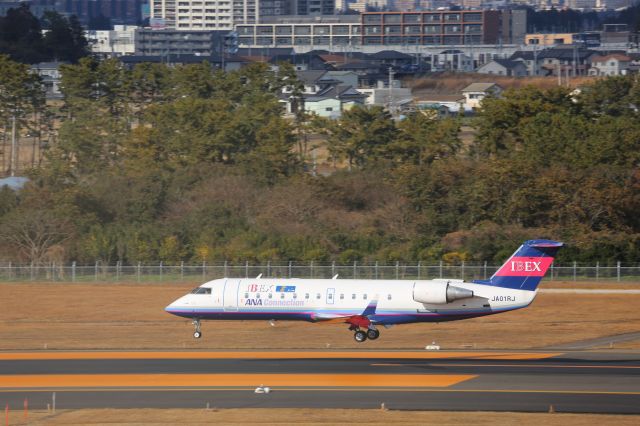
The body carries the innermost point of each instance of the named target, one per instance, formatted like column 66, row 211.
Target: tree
column 362, row 135
column 64, row 39
column 424, row 139
column 21, row 36
column 21, row 96
column 34, row 232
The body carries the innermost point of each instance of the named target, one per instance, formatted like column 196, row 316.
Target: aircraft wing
column 329, row 318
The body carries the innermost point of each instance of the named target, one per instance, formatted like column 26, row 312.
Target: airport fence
column 184, row 272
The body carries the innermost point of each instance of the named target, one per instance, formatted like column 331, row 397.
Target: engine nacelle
column 438, row 293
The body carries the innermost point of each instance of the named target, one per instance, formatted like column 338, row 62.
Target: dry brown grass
column 311, row 417
column 453, row 83
column 35, row 316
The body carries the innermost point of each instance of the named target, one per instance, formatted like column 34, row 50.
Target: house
column 613, row 64
column 325, row 93
column 529, row 58
column 383, row 96
column 51, row 78
column 391, row 58
column 302, row 61
column 564, row 60
column 476, row 92
column 504, row 67
column 443, row 104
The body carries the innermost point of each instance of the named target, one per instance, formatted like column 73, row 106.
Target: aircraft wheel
column 197, row 334
column 360, row 336
column 373, row 334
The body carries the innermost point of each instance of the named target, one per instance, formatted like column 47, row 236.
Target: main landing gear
column 360, row 335
column 197, row 334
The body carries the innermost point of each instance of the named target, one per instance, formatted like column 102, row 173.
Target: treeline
column 22, row 38
column 191, row 164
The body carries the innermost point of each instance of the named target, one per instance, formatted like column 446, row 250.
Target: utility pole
column 391, row 91
column 14, row 146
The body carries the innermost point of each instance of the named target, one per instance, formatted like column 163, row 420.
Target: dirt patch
column 310, row 417
column 36, row 316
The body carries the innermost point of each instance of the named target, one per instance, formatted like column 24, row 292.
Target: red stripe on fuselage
column 525, row 267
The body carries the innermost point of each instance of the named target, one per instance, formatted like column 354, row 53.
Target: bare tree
column 34, row 232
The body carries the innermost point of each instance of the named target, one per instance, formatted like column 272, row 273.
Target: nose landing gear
column 197, row 334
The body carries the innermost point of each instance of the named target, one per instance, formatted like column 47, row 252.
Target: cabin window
column 201, row 290
column 353, row 296
column 341, row 296
column 388, row 297
column 270, row 296
column 246, row 295
column 281, row 295
column 364, row 296
column 258, row 296
column 318, row 296
column 330, row 296
column 306, row 295
column 295, row 295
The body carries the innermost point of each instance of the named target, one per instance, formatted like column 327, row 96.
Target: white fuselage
column 385, row 301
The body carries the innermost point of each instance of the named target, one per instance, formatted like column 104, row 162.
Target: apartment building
column 338, row 30
column 433, row 28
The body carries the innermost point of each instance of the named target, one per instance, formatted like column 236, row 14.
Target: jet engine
column 439, row 293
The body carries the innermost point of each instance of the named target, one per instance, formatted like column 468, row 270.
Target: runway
column 587, row 382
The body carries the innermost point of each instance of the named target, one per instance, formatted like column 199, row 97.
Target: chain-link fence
column 183, row 272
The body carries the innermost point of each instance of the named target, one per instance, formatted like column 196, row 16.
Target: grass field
column 35, row 316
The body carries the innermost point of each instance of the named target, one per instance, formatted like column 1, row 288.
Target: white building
column 476, row 92
column 614, row 64
column 192, row 14
column 117, row 42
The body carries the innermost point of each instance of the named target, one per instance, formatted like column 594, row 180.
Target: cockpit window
column 201, row 290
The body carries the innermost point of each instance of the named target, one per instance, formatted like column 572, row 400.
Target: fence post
column 333, row 269
column 485, row 270
column 311, row 271
column 355, row 271
column 289, row 269
column 419, row 265
column 10, row 272
column 95, row 273
column 182, row 270
column 597, row 270
column 73, row 271
column 618, row 271
column 574, row 270
column 138, row 271
column 246, row 269
column 204, row 270
column 117, row 271
column 31, row 271
column 376, row 269
column 397, row 270
column 462, row 271
column 441, row 269
column 551, row 272
column 161, row 271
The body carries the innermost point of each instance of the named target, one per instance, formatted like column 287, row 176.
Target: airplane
column 367, row 304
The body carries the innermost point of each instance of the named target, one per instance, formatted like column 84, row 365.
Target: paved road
column 597, row 382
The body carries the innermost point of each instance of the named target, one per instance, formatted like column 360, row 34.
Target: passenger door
column 230, row 298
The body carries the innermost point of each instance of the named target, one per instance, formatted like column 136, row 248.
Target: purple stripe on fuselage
column 391, row 318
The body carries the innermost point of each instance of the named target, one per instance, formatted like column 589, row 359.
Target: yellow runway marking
column 273, row 355
column 435, row 364
column 343, row 389
column 214, row 380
